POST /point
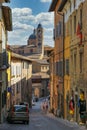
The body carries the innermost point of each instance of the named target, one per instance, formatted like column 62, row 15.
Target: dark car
column 24, row 103
column 18, row 113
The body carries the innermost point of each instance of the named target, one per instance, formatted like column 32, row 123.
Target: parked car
column 24, row 103
column 18, row 113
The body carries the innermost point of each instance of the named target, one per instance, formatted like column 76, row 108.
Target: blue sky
column 26, row 15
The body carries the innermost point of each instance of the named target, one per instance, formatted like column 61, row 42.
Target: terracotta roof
column 41, row 75
column 43, row 62
column 5, row 1
column 53, row 5
column 46, row 47
column 62, row 5
column 7, row 13
column 20, row 57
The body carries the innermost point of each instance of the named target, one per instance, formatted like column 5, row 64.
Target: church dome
column 32, row 36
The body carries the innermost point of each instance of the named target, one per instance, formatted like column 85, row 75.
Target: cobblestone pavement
column 66, row 122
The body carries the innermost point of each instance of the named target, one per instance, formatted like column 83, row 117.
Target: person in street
column 43, row 106
column 46, row 106
column 71, row 108
column 82, row 108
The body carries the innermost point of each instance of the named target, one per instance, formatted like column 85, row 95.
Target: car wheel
column 23, row 122
column 11, row 122
column 27, row 122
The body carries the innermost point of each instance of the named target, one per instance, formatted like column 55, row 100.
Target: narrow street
column 40, row 120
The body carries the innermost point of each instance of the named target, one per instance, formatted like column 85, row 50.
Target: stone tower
column 40, row 39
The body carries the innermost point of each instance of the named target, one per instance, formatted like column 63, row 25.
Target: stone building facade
column 5, row 25
column 58, row 59
column 21, row 82
column 75, row 39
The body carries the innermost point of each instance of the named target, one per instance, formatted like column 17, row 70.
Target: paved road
column 40, row 120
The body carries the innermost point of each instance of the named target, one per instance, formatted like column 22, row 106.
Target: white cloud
column 21, row 11
column 45, row 17
column 44, row 1
column 24, row 22
column 18, row 25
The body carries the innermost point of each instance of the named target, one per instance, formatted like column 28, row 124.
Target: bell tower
column 40, row 39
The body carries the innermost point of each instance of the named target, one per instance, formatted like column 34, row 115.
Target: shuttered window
column 59, row 68
column 5, row 58
column 54, row 33
column 67, row 67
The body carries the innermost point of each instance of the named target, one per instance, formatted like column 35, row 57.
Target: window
column 56, row 31
column 74, row 24
column 70, row 27
column 42, row 67
column 81, row 18
column 22, row 65
column 22, row 51
column 71, row 63
column 74, row 4
column 67, row 67
column 54, row 68
column 59, row 29
column 31, row 50
column 54, row 34
column 17, row 88
column 75, row 63
column 59, row 68
column 13, row 90
column 5, row 58
column 13, row 70
column 81, row 62
column 70, row 6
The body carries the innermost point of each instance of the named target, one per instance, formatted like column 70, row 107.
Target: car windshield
column 19, row 108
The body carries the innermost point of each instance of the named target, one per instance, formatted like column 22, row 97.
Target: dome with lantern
column 32, row 36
